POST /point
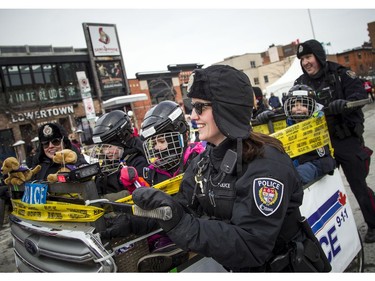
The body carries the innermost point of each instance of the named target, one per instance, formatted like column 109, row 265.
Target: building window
column 252, row 64
column 22, row 75
column 161, row 89
column 27, row 85
column 14, row 75
column 25, row 74
column 67, row 72
column 265, row 79
column 256, row 81
column 6, row 76
column 359, row 55
column 38, row 74
column 50, row 74
column 346, row 58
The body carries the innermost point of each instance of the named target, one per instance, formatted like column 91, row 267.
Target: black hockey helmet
column 305, row 96
column 167, row 116
column 165, row 123
column 113, row 127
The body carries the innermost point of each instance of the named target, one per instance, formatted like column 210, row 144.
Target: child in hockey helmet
column 166, row 133
column 300, row 103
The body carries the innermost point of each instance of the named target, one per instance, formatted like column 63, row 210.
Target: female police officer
column 243, row 190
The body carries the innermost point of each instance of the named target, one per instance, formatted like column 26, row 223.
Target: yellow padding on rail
column 169, row 186
column 54, row 211
column 263, row 128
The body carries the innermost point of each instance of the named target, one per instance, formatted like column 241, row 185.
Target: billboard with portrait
column 110, row 74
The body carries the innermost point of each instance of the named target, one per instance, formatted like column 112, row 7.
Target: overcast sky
column 151, row 39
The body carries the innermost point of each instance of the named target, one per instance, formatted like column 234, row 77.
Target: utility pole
column 312, row 27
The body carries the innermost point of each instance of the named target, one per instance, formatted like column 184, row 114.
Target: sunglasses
column 198, row 106
column 55, row 142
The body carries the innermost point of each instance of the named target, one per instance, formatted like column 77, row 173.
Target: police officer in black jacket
column 239, row 200
column 335, row 85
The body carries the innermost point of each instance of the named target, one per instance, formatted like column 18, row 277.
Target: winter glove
column 119, row 226
column 337, row 106
column 128, row 175
column 151, row 198
column 130, row 179
column 123, row 225
column 264, row 117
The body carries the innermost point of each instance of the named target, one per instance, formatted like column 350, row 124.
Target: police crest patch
column 351, row 74
column 268, row 194
column 47, row 131
column 300, row 49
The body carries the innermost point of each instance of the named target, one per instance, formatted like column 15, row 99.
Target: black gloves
column 124, row 224
column 118, row 226
column 151, row 198
column 337, row 106
column 264, row 116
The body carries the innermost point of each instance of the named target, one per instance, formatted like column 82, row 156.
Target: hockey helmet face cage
column 300, row 104
column 165, row 117
column 164, row 151
column 113, row 127
column 108, row 156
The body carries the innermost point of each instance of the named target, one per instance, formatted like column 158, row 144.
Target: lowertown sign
column 45, row 113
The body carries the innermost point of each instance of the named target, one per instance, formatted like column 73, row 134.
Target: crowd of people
column 236, row 183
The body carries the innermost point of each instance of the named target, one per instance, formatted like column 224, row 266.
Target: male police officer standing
column 335, row 85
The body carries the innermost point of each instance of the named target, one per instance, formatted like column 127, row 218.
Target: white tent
column 286, row 81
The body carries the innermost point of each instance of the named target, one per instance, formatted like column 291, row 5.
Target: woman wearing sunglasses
column 52, row 138
column 239, row 200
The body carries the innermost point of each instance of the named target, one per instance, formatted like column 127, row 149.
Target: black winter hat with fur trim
column 312, row 47
column 231, row 94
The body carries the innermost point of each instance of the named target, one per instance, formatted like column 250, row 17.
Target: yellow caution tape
column 263, row 128
column 305, row 136
column 54, row 211
column 169, row 186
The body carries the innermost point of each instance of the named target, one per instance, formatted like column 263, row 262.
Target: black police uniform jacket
column 333, row 82
column 239, row 218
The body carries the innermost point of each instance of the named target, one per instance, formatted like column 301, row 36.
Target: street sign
column 84, row 84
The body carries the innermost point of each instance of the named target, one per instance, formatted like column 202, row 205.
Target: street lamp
column 19, row 150
column 34, row 142
column 79, row 133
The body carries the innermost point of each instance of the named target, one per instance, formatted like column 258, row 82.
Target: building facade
column 361, row 60
column 39, row 84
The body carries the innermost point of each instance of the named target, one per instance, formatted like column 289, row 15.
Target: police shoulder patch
column 351, row 74
column 268, row 195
